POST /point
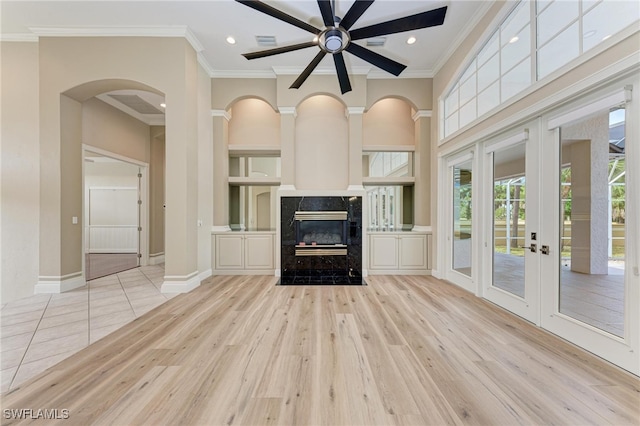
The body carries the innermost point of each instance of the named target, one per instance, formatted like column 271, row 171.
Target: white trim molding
column 180, row 283
column 156, row 258
column 220, row 228
column 421, row 228
column 221, row 113
column 59, row 284
column 422, row 113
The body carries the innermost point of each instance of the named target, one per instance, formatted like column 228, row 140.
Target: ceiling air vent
column 266, row 40
column 376, row 41
column 137, row 104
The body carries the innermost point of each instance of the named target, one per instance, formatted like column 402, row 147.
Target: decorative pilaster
column 221, row 120
column 422, row 170
column 287, row 147
column 355, row 147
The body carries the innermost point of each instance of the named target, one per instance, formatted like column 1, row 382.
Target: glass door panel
column 509, row 219
column 592, row 221
column 462, row 198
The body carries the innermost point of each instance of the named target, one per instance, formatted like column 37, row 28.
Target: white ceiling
column 207, row 23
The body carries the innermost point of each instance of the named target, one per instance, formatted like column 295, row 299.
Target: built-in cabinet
column 399, row 253
column 244, row 253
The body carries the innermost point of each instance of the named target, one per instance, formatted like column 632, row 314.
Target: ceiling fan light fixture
column 333, row 40
column 231, row 40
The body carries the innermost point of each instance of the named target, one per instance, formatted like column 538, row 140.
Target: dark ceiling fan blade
column 431, row 18
column 355, row 12
column 278, row 14
column 308, row 70
column 389, row 65
column 343, row 75
column 327, row 13
column 278, row 50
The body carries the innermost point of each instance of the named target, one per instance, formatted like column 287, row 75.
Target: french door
column 560, row 235
column 511, row 213
column 588, row 270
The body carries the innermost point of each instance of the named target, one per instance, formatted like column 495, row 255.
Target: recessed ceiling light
column 606, row 37
column 514, row 39
column 231, row 40
column 163, row 105
column 590, row 33
column 411, row 40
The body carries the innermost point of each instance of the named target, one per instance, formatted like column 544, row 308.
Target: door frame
column 144, row 197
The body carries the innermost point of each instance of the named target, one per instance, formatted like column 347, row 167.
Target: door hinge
column 139, row 202
column 139, row 175
column 139, row 255
column 139, row 228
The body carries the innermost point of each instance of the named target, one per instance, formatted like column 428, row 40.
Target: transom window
column 537, row 38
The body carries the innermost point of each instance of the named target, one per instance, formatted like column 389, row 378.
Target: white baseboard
column 156, row 259
column 48, row 284
column 399, row 272
column 436, row 274
column 180, row 283
column 205, row 274
column 245, row 272
column 113, row 250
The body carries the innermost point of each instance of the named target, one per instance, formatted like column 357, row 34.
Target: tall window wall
column 537, row 38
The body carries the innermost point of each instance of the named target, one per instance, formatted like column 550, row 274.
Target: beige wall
column 322, row 144
column 205, row 172
column 389, row 122
column 254, row 122
column 108, row 128
column 19, row 170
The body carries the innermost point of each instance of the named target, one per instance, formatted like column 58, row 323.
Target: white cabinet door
column 413, row 251
column 259, row 252
column 229, row 251
column 383, row 252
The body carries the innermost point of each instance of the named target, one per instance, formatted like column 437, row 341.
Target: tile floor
column 39, row 331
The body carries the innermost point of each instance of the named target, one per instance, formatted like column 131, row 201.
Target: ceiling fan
column 336, row 37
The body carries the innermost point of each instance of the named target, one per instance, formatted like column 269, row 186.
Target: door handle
column 545, row 250
column 532, row 248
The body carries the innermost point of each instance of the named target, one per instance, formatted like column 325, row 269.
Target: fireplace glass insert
column 321, row 233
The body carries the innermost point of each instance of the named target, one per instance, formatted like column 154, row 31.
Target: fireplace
column 321, row 233
column 321, row 240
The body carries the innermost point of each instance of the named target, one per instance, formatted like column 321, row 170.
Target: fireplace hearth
column 321, row 240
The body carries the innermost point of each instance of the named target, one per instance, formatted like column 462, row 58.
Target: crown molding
column 116, row 31
column 242, row 74
column 287, row 110
column 319, row 71
column 25, row 37
column 377, row 74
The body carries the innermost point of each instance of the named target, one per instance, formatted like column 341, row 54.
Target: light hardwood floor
column 402, row 350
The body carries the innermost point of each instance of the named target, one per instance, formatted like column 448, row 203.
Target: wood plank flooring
column 402, row 350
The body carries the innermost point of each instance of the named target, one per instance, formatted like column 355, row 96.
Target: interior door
column 511, row 246
column 590, row 294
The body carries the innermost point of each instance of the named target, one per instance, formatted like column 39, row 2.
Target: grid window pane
column 490, row 49
column 489, row 73
column 516, row 80
column 451, row 124
column 518, row 48
column 451, row 103
column 619, row 15
column 489, row 98
column 468, row 113
column 515, row 22
column 468, row 90
column 558, row 51
column 556, row 17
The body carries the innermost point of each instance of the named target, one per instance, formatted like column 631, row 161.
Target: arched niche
column 321, row 144
column 389, row 122
column 253, row 122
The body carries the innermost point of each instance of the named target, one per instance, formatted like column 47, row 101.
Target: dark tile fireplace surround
column 321, row 240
